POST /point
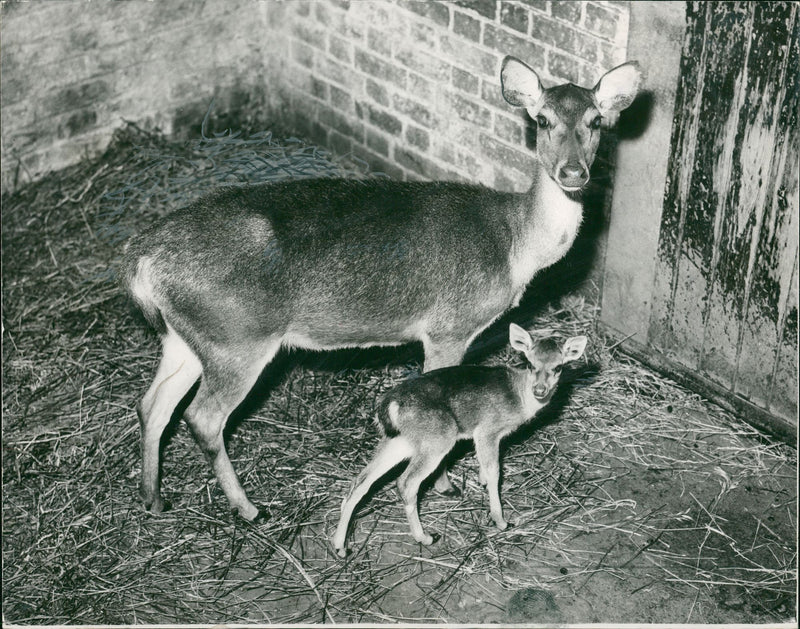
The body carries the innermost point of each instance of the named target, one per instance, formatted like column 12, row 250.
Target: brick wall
column 72, row 71
column 412, row 87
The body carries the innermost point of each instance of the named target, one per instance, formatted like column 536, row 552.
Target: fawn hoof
column 261, row 517
column 342, row 552
column 451, row 492
column 251, row 515
column 427, row 540
column 157, row 506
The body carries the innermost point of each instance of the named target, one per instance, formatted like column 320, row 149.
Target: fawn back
column 324, row 264
column 423, row 418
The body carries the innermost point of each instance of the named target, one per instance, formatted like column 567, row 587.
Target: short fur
column 424, row 417
column 333, row 263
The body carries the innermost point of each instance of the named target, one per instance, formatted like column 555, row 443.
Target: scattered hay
column 627, row 479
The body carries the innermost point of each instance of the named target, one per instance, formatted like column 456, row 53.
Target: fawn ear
column 521, row 85
column 616, row 89
column 519, row 338
column 573, row 348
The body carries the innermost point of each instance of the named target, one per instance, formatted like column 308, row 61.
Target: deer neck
column 549, row 220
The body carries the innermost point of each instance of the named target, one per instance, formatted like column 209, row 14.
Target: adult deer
column 329, row 263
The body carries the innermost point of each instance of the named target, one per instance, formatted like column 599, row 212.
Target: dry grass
column 626, row 478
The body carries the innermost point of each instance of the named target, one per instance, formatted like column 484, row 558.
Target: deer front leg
column 487, row 449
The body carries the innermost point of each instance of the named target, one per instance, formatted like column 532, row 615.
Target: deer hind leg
column 430, row 450
column 439, row 354
column 224, row 386
column 177, row 372
column 389, row 454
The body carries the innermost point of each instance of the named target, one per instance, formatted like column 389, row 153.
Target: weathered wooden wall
column 723, row 304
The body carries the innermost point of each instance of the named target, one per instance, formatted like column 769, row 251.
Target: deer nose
column 539, row 391
column 572, row 174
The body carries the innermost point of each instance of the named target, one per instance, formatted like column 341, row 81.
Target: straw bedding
column 632, row 499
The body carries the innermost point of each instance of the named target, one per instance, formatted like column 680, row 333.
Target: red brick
column 379, row 42
column 471, row 111
column 339, row 22
column 564, row 67
column 461, row 160
column 312, row 36
column 486, row 8
column 417, row 111
column 601, row 21
column 418, row 138
column 423, row 34
column 523, row 161
column 421, row 88
column 335, row 72
column 341, row 123
column 492, row 93
column 378, row 68
column 384, row 120
column 439, row 12
column 340, row 48
column 302, row 9
column 539, row 5
column 377, row 92
column 423, row 63
column 479, row 61
column 304, row 55
column 561, row 37
column 377, row 163
column 526, row 50
column 339, row 144
column 566, row 10
column 377, row 142
column 465, row 81
column 514, row 16
column 508, row 129
column 466, row 26
column 319, row 89
column 341, row 99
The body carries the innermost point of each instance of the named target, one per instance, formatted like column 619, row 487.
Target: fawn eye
column 542, row 122
column 557, row 369
column 595, row 123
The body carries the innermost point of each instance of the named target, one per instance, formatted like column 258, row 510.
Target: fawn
column 333, row 263
column 423, row 418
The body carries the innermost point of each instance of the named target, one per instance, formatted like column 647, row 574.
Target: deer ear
column 519, row 338
column 617, row 88
column 573, row 348
column 521, row 85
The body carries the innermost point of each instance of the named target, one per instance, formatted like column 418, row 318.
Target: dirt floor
column 632, row 500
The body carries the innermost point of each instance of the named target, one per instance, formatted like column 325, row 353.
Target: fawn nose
column 572, row 175
column 540, row 391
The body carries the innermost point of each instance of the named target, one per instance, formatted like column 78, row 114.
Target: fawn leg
column 487, row 449
column 390, row 452
column 421, row 465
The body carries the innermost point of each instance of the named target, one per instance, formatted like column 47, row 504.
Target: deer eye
column 595, row 123
column 557, row 369
column 542, row 122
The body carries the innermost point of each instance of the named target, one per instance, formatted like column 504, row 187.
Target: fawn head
column 545, row 358
column 569, row 117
